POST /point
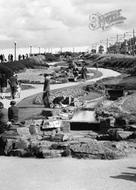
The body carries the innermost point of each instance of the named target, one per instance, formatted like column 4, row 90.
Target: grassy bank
column 118, row 62
column 16, row 66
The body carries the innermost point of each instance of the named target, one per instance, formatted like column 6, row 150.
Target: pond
column 84, row 116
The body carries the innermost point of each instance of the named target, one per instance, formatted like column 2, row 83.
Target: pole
column 117, row 45
column 15, row 49
column 124, row 36
column 61, row 49
column 133, row 42
column 125, row 41
column 39, row 51
column 117, row 38
column 107, row 44
column 133, row 33
column 30, row 50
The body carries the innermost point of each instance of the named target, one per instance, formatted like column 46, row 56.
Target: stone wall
column 73, row 91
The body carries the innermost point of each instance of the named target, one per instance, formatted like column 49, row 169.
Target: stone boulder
column 87, row 150
column 65, row 126
column 20, row 153
column 38, row 100
column 60, row 137
column 95, row 150
column 118, row 134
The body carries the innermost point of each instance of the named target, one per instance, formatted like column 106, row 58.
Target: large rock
column 119, row 134
column 20, row 153
column 60, row 137
column 9, row 146
column 50, row 153
column 45, row 150
column 38, row 100
column 21, row 144
column 95, row 150
column 65, row 126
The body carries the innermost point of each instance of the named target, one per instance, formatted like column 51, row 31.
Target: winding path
column 39, row 88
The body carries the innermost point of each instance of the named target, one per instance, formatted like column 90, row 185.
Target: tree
column 8, row 72
column 93, row 50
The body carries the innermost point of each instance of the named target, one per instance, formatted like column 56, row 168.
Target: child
column 18, row 91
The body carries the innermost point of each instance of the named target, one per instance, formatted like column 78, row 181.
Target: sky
column 59, row 23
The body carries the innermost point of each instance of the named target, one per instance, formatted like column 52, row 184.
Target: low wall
column 74, row 91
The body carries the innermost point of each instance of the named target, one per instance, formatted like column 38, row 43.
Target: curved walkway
column 39, row 88
column 67, row 174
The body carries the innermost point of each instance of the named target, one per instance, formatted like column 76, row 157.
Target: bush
column 17, row 66
column 6, row 70
column 51, row 57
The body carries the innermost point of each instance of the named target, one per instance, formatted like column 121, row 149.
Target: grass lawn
column 130, row 103
column 23, row 87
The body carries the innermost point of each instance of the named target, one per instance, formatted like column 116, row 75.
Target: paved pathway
column 39, row 88
column 67, row 174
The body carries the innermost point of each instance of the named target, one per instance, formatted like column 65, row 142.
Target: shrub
column 6, row 70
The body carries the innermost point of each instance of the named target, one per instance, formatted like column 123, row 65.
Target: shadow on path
column 130, row 176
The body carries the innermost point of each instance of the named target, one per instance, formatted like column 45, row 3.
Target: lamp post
column 132, row 41
column 30, row 50
column 133, row 50
column 39, row 50
column 107, row 45
column 15, row 50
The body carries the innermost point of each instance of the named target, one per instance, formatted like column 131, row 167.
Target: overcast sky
column 58, row 23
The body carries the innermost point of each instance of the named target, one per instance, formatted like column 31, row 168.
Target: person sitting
column 58, row 101
column 3, row 118
column 75, row 73
column 13, row 112
column 68, row 100
column 63, row 101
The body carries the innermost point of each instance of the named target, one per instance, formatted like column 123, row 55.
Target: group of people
column 2, row 58
column 8, row 116
column 78, row 73
column 10, row 57
column 46, row 88
column 13, row 83
column 21, row 57
column 12, row 113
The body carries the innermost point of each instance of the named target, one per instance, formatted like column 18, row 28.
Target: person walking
column 3, row 85
column 84, row 72
column 3, row 118
column 46, row 91
column 75, row 73
column 13, row 112
column 0, row 84
column 13, row 85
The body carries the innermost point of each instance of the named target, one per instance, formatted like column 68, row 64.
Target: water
column 84, row 116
